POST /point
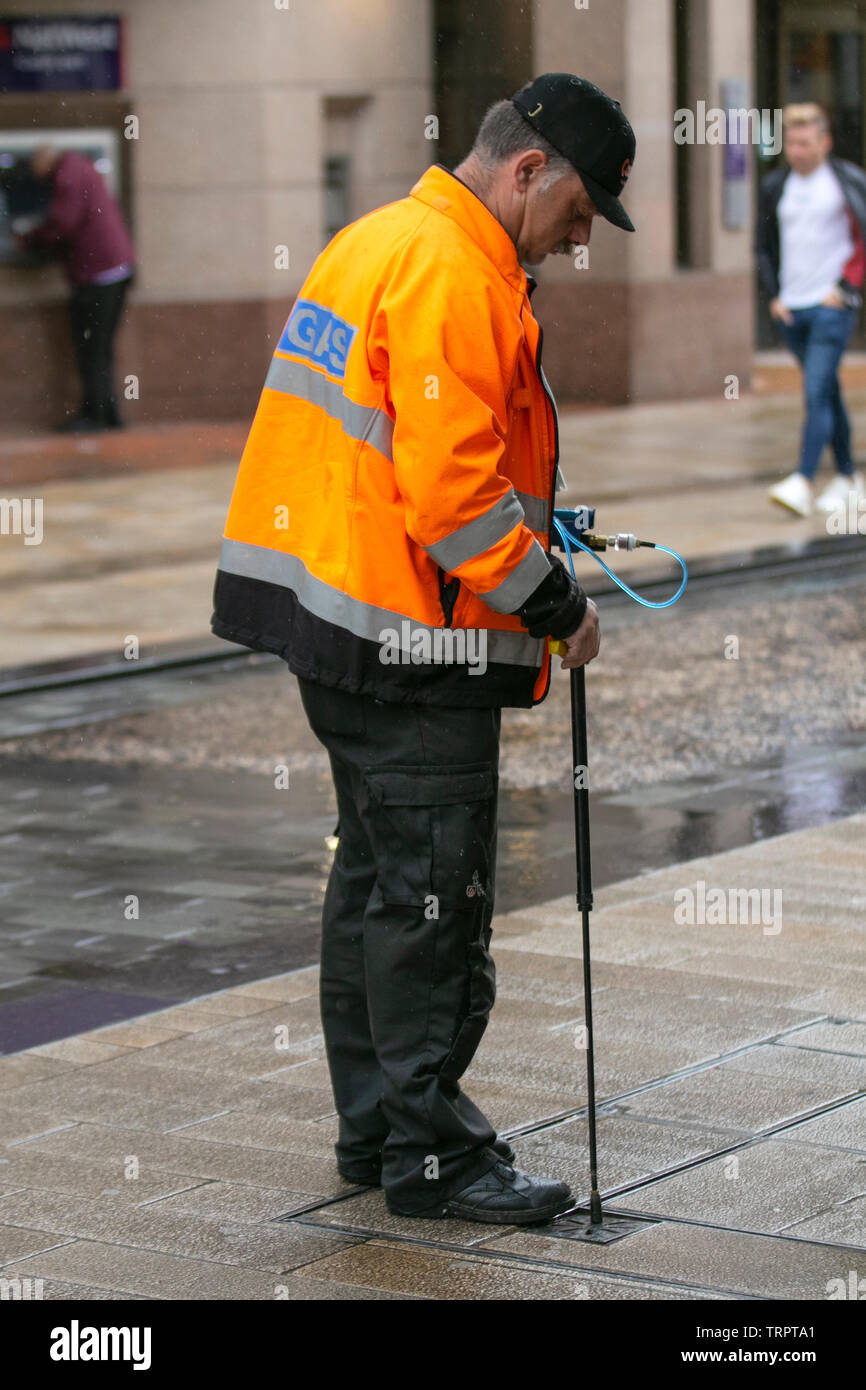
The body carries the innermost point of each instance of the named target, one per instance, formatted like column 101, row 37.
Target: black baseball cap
column 590, row 129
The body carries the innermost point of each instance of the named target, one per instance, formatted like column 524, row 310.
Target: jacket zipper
column 548, row 393
column 543, row 379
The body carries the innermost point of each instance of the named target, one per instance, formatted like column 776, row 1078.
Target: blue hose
column 569, row 541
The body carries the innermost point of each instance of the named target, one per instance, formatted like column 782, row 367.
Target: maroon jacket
column 84, row 221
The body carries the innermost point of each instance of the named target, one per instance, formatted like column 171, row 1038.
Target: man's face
column 806, row 147
column 556, row 218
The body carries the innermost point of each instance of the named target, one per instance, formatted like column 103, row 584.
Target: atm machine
column 22, row 197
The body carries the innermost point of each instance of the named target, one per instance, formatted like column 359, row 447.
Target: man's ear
column 531, row 162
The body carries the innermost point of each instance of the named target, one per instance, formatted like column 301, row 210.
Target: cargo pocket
column 433, row 830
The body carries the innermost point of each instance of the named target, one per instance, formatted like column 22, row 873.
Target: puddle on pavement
column 123, row 889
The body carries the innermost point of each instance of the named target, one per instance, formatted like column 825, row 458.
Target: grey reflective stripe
column 359, row 421
column 377, row 427
column 523, row 580
column 362, row 619
column 478, row 535
column 537, row 510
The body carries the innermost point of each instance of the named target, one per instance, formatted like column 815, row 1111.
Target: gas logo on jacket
column 319, row 335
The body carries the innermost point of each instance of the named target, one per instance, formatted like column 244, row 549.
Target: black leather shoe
column 370, row 1174
column 503, row 1196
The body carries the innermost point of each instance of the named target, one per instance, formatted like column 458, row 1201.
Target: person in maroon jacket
column 85, row 225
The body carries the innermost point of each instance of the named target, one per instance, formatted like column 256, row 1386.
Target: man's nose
column 581, row 232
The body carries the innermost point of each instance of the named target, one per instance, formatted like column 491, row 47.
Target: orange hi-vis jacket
column 394, row 500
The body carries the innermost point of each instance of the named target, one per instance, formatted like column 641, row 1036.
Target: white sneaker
column 835, row 494
column 793, row 492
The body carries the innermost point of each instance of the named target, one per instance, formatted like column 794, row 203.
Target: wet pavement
column 189, row 1154
column 216, row 906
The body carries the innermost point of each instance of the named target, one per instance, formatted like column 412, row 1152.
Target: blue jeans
column 818, row 337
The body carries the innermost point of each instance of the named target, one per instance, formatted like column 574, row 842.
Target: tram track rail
column 839, row 556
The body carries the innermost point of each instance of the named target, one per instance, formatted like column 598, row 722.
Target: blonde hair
column 804, row 113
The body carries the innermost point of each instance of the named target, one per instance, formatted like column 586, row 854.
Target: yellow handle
column 557, row 647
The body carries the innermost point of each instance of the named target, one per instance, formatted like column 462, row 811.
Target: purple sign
column 60, row 53
column 735, row 161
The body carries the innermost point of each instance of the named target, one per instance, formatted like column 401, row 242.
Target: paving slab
column 843, row 998
column 301, row 984
column 262, row 1246
column 27, row 1167
column 836, row 1075
column 234, row 1201
column 184, row 1156
column 123, row 1096
column 135, row 1034
column 79, row 1051
column 92, row 1100
column 845, row 1223
column 21, row 1119
column 772, row 1186
column 17, row 1242
column 149, row 1274
column 454, row 1276
column 733, row 1099
column 631, row 1148
column 706, row 1256
column 848, row 1038
column 18, row 1070
column 54, row 1290
column 313, row 1138
column 844, row 1128
column 367, row 1214
column 753, row 1091
column 308, row 1073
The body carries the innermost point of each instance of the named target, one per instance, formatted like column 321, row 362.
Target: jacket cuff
column 556, row 607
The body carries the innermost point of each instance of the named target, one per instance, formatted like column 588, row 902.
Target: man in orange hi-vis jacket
column 389, row 535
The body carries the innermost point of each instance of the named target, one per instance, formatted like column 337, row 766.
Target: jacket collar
column 443, row 191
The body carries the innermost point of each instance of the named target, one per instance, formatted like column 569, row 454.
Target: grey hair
column 504, row 132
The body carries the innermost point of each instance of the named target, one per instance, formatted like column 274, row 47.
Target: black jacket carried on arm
column 853, row 183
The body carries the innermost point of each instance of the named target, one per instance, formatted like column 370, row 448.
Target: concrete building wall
column 238, row 104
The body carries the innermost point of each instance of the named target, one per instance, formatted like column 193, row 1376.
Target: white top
column 815, row 241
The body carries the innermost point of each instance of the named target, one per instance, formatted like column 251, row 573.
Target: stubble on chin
column 562, row 248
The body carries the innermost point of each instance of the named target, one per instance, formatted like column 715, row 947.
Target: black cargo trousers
column 407, row 980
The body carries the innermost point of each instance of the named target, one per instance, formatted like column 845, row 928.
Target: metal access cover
column 576, row 1225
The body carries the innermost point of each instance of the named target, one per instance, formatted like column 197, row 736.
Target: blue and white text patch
column 319, row 335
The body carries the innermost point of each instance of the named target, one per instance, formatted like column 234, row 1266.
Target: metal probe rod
column 580, row 764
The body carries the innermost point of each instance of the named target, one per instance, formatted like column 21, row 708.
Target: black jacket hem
column 249, row 612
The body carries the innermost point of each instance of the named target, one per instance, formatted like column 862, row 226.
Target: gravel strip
column 665, row 702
